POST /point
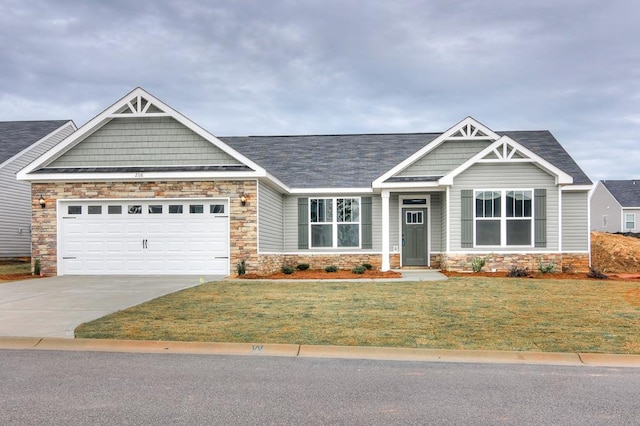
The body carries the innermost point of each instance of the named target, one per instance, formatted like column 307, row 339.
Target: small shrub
column 359, row 269
column 518, row 272
column 546, row 268
column 568, row 268
column 367, row 266
column 477, row 263
column 331, row 268
column 288, row 270
column 241, row 267
column 302, row 266
column 36, row 267
column 595, row 273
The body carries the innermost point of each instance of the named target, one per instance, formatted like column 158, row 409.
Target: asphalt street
column 79, row 388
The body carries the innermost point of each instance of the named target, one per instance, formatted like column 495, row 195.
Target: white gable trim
column 117, row 110
column 40, row 141
column 506, row 148
column 469, row 127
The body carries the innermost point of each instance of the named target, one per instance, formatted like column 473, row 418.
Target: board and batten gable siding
column 444, row 158
column 575, row 221
column 270, row 219
column 505, row 176
column 149, row 141
column 15, row 209
column 291, row 222
column 604, row 204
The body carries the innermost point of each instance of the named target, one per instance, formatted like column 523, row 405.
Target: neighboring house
column 20, row 143
column 141, row 189
column 615, row 206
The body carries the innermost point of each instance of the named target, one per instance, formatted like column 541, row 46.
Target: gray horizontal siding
column 603, row 204
column 270, row 219
column 436, row 235
column 505, row 176
column 444, row 158
column 155, row 141
column 575, row 221
column 15, row 209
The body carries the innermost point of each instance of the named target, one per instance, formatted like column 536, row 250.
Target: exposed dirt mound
column 615, row 253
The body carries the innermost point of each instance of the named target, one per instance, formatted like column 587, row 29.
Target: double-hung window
column 335, row 222
column 629, row 221
column 504, row 218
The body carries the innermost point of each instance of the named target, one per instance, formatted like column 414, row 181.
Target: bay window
column 335, row 222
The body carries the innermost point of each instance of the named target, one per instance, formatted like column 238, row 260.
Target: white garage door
column 133, row 237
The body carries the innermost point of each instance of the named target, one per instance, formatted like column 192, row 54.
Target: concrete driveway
column 55, row 306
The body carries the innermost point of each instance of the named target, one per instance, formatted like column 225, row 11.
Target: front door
column 414, row 237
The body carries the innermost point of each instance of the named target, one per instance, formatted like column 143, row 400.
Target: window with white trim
column 335, row 222
column 629, row 221
column 503, row 218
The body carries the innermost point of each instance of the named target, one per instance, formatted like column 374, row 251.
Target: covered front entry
column 143, row 237
column 415, row 237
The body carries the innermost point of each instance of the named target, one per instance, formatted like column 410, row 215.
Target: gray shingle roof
column 627, row 192
column 15, row 136
column 355, row 161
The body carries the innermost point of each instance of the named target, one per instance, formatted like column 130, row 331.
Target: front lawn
column 460, row 313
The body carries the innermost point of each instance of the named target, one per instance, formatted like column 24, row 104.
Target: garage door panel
column 144, row 243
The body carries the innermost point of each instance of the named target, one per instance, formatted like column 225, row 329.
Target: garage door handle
column 67, row 257
column 144, row 244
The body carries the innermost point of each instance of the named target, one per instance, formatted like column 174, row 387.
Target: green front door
column 414, row 237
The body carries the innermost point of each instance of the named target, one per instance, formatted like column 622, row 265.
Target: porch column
column 386, row 265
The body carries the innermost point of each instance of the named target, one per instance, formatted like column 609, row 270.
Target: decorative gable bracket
column 506, row 149
column 139, row 106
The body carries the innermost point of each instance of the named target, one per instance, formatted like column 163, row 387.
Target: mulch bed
column 540, row 276
column 320, row 274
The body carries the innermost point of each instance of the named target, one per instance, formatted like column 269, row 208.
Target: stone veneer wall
column 569, row 262
column 243, row 220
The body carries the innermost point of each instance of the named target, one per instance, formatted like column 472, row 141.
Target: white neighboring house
column 615, row 206
column 20, row 143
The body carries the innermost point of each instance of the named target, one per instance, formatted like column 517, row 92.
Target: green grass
column 460, row 313
column 11, row 268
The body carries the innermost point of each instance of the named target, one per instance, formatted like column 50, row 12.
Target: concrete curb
column 317, row 351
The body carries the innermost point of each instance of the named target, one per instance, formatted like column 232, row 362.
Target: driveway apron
column 55, row 306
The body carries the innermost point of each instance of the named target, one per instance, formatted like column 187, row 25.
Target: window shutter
column 366, row 222
column 540, row 217
column 466, row 231
column 303, row 223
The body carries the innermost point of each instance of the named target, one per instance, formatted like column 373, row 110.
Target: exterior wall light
column 243, row 200
column 42, row 202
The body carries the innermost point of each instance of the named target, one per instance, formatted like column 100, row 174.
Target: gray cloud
column 290, row 67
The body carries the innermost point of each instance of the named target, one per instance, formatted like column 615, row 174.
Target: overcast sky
column 266, row 67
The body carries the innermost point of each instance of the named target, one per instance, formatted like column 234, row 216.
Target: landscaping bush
column 331, row 268
column 518, row 272
column 288, row 270
column 546, row 268
column 367, row 266
column 302, row 266
column 241, row 267
column 359, row 269
column 477, row 263
column 595, row 273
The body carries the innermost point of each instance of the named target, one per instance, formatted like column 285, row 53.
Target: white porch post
column 386, row 265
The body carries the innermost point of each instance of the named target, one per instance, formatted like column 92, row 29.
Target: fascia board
column 561, row 177
column 434, row 144
column 146, row 176
column 39, row 142
column 577, row 188
column 302, row 191
column 108, row 114
column 76, row 137
column 201, row 131
column 398, row 185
